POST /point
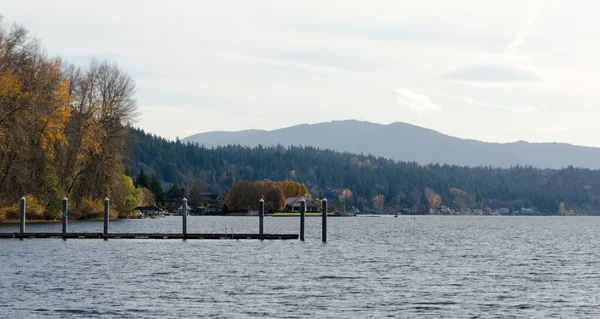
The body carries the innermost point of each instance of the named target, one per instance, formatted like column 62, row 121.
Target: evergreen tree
column 142, row 180
column 327, row 173
column 175, row 193
column 156, row 187
column 195, row 194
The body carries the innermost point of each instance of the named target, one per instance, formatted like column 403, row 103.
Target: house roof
column 296, row 199
column 211, row 196
column 186, row 205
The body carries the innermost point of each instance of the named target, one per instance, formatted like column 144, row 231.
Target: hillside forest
column 66, row 131
column 366, row 182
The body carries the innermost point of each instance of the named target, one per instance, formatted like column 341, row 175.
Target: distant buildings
column 445, row 210
column 149, row 211
column 205, row 204
column 179, row 210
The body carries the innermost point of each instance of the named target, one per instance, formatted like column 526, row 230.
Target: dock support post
column 261, row 216
column 22, row 204
column 324, row 223
column 65, row 216
column 184, row 217
column 302, row 217
column 106, row 215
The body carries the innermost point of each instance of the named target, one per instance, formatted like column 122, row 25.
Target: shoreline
column 58, row 221
column 46, row 221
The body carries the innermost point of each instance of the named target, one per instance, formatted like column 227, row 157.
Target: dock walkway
column 19, row 235
column 184, row 235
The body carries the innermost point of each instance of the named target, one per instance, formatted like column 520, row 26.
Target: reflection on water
column 439, row 267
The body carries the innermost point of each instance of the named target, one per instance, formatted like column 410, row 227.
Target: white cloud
column 493, row 74
column 415, row 102
column 538, row 7
column 469, row 101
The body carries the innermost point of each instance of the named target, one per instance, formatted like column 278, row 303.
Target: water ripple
column 435, row 267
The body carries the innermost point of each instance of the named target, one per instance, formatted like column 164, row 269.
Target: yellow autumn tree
column 54, row 122
column 433, row 200
column 272, row 194
column 346, row 194
column 34, row 111
column 10, row 90
column 561, row 208
column 293, row 188
column 378, row 202
column 63, row 129
column 243, row 195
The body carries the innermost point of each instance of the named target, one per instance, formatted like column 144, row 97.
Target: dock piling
column 324, row 223
column 184, row 217
column 22, row 205
column 65, row 216
column 261, row 216
column 302, row 218
column 106, row 215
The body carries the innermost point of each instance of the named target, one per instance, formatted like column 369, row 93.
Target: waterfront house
column 149, row 211
column 292, row 204
column 527, row 211
column 179, row 210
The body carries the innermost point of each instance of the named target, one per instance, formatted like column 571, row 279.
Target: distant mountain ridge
column 407, row 142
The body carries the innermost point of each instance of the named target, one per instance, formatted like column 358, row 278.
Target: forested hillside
column 410, row 143
column 371, row 180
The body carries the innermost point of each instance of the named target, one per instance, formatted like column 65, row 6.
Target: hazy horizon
column 495, row 71
column 355, row 120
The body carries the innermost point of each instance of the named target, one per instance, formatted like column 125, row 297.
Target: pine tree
column 156, row 187
column 142, row 180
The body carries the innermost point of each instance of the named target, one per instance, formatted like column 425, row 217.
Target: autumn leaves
column 62, row 128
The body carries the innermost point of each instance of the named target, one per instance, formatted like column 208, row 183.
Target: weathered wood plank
column 148, row 236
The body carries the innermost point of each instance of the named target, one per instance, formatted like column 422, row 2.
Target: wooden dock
column 184, row 235
column 147, row 236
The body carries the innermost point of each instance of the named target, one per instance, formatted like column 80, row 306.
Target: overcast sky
column 492, row 70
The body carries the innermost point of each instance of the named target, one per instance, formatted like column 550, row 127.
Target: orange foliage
column 56, row 120
column 561, row 208
column 10, row 86
column 434, row 200
column 292, row 188
column 34, row 210
column 92, row 135
column 245, row 194
column 458, row 192
column 378, row 202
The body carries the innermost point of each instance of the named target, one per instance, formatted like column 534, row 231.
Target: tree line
column 245, row 194
column 63, row 131
column 375, row 182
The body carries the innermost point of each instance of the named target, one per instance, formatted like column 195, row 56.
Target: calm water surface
column 429, row 267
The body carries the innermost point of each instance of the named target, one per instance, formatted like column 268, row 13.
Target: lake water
column 429, row 267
